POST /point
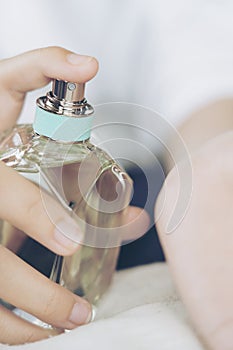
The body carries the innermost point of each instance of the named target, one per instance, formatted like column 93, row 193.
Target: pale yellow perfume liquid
column 97, row 191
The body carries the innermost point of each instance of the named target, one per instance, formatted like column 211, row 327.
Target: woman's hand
column 200, row 250
column 21, row 205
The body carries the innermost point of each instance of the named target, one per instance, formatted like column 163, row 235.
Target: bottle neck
column 63, row 120
column 61, row 127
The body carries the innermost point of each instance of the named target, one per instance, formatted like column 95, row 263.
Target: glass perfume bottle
column 56, row 154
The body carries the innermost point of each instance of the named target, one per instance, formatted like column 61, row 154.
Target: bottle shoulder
column 24, row 150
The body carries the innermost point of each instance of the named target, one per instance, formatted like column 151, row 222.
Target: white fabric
column 140, row 311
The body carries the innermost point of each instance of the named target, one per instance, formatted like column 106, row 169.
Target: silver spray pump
column 64, row 113
column 66, row 98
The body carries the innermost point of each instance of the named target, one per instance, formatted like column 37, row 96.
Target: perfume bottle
column 56, row 154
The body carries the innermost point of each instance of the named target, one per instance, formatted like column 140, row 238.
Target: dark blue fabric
column 146, row 249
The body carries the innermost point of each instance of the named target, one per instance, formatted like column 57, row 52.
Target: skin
column 23, row 207
column 199, row 250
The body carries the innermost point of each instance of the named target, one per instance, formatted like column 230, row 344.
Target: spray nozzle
column 68, row 91
column 66, row 98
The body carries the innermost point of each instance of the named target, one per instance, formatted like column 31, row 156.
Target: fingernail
column 74, row 58
column 68, row 234
column 81, row 314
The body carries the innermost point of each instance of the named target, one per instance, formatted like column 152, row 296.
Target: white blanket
column 140, row 311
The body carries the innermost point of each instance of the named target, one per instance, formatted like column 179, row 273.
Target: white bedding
column 140, row 311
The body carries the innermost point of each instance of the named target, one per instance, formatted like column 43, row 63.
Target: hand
column 22, row 206
column 21, row 285
column 200, row 250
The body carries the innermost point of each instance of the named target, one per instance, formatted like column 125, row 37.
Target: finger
column 33, row 70
column 135, row 224
column 45, row 299
column 45, row 221
column 14, row 330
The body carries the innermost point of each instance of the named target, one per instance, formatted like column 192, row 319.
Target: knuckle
column 37, row 210
column 52, row 50
column 29, row 337
column 34, row 208
column 51, row 304
column 57, row 306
